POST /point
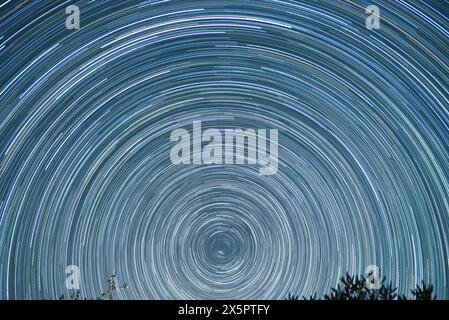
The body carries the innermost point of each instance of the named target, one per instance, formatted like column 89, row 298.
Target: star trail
column 85, row 122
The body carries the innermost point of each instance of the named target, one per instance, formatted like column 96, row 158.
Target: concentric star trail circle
column 85, row 122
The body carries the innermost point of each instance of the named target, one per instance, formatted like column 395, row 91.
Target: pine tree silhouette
column 107, row 295
column 355, row 288
column 112, row 287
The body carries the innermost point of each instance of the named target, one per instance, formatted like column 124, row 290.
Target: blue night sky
column 86, row 116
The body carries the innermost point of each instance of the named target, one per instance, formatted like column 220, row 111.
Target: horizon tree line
column 348, row 288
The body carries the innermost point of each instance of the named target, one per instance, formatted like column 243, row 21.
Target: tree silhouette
column 107, row 295
column 292, row 297
column 355, row 288
column 74, row 295
column 423, row 292
column 112, row 287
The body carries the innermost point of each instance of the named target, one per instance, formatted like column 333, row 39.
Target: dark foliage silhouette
column 107, row 295
column 422, row 292
column 356, row 288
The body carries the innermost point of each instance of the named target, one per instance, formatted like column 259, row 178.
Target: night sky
column 85, row 122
